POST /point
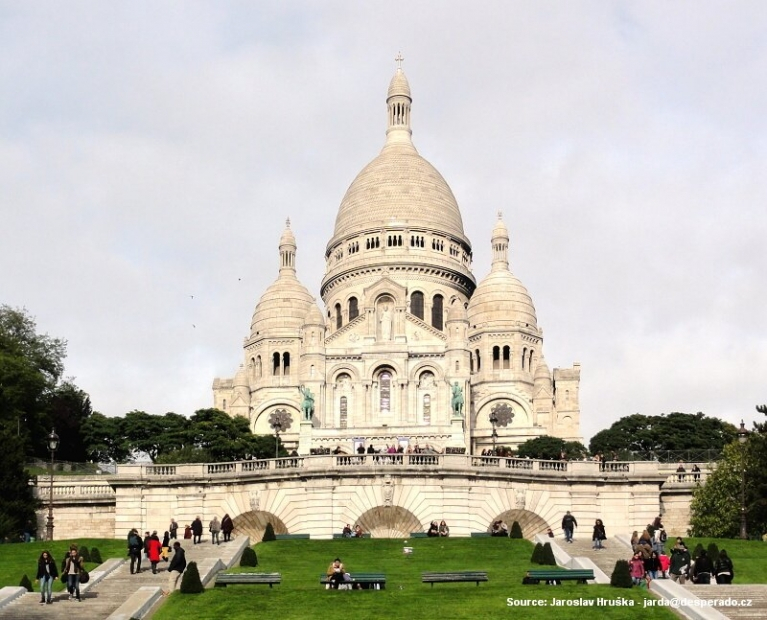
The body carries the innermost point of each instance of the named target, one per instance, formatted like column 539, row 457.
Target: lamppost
column 494, row 421
column 277, row 426
column 742, row 438
column 280, row 421
column 53, row 444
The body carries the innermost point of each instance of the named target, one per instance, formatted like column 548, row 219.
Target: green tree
column 656, row 434
column 17, row 504
column 103, row 438
column 143, row 432
column 69, row 409
column 547, row 447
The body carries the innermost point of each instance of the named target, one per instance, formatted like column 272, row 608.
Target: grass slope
column 18, row 559
column 749, row 557
column 300, row 595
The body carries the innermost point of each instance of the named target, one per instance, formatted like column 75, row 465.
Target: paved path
column 103, row 598
column 605, row 558
column 757, row 594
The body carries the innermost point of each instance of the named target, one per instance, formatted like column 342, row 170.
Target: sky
column 150, row 153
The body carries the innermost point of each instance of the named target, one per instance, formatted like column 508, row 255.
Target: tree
column 17, row 504
column 656, row 434
column 551, row 448
column 142, row 432
column 103, row 439
column 69, row 409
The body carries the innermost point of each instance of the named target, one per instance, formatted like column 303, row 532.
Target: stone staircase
column 102, row 599
column 605, row 558
column 756, row 593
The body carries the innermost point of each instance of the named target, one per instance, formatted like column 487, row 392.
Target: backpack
column 133, row 541
column 663, row 536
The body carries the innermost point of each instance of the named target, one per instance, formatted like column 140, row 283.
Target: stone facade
column 406, row 332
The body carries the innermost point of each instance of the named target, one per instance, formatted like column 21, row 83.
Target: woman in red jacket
column 154, row 548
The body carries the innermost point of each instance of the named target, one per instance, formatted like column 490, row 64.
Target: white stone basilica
column 407, row 334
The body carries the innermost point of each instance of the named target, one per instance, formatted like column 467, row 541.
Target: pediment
column 351, row 333
column 418, row 331
column 385, row 286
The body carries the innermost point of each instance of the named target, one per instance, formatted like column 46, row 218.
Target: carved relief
column 255, row 500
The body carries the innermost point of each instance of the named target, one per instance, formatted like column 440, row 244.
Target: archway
column 389, row 522
column 253, row 524
column 530, row 522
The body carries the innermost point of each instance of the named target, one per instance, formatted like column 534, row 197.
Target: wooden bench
column 418, row 535
column 581, row 575
column 364, row 535
column 290, row 536
column 365, row 581
column 480, row 534
column 231, row 579
column 454, row 577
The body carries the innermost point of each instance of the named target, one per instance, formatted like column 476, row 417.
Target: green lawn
column 18, row 559
column 749, row 557
column 300, row 595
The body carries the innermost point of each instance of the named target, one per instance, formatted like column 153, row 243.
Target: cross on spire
column 399, row 60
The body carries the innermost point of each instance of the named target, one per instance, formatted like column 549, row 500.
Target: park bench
column 581, row 575
column 418, row 535
column 454, row 577
column 290, row 536
column 365, row 581
column 480, row 534
column 364, row 535
column 231, row 579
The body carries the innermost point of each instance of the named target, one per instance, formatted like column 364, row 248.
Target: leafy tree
column 652, row 434
column 103, row 438
column 142, row 432
column 548, row 447
column 69, row 409
column 17, row 504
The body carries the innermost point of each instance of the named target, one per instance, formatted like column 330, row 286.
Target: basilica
column 408, row 351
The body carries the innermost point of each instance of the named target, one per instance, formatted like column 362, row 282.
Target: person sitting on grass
column 499, row 528
column 433, row 529
column 347, row 531
column 444, row 530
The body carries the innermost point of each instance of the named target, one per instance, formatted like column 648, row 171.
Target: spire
column 287, row 250
column 500, row 244
column 398, row 101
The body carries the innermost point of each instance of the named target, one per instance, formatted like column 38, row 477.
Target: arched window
column 427, row 409
column 416, row 304
column 276, row 364
column 479, row 361
column 496, row 358
column 353, row 309
column 471, row 363
column 530, row 361
column 384, row 382
column 507, row 357
column 339, row 317
column 224, row 405
column 524, row 357
column 457, row 365
column 344, row 412
column 436, row 312
column 286, row 364
column 258, row 367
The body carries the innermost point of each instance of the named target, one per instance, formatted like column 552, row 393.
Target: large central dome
column 399, row 186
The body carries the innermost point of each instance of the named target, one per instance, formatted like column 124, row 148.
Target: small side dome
column 542, row 372
column 398, row 86
column 282, row 308
column 502, row 300
column 314, row 316
column 241, row 378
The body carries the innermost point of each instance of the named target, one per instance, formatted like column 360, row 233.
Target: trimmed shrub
column 537, row 557
column 713, row 553
column 249, row 557
column 191, row 582
column 621, row 577
column 96, row 556
column 548, row 555
column 26, row 583
column 516, row 530
column 84, row 553
column 269, row 533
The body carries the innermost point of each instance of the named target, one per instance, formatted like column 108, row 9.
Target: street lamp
column 742, row 438
column 53, row 444
column 277, row 426
column 494, row 421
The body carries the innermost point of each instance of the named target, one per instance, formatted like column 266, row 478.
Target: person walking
column 176, row 567
column 173, row 529
column 568, row 526
column 135, row 545
column 636, row 568
column 72, row 567
column 196, row 530
column 227, row 526
column 680, row 564
column 46, row 575
column 215, row 529
column 724, row 570
column 598, row 535
column 154, row 548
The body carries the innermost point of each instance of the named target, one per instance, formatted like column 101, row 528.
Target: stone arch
column 523, row 415
column 253, row 524
column 530, row 522
column 260, row 423
column 341, row 368
column 416, row 371
column 389, row 522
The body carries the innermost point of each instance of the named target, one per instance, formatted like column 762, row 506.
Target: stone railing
column 427, row 461
column 687, row 479
column 79, row 488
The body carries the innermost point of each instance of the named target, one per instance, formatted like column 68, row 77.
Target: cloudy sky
column 150, row 153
